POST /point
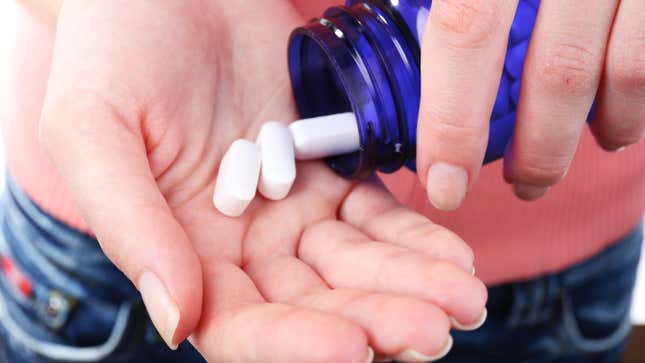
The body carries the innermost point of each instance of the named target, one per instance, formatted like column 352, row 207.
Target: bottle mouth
column 326, row 80
column 354, row 59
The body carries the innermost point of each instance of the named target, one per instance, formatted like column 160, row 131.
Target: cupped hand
column 143, row 100
column 579, row 51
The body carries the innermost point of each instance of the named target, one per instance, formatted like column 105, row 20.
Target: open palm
column 143, row 100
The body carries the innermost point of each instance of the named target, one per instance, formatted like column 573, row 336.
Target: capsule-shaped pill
column 237, row 178
column 320, row 137
column 278, row 171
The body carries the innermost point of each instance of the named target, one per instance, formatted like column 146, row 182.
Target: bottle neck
column 363, row 58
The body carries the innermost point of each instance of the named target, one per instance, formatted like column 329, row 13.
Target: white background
column 7, row 17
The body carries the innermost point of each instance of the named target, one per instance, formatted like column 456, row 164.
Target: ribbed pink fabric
column 601, row 199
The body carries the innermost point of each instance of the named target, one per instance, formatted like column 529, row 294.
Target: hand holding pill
column 270, row 165
column 295, row 280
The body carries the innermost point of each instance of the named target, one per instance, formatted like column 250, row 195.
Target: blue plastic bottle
column 364, row 57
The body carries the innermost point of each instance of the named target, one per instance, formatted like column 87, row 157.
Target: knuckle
column 542, row 165
column 452, row 123
column 451, row 130
column 543, row 171
column 468, row 24
column 568, row 68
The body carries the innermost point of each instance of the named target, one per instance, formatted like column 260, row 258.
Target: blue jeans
column 580, row 315
column 61, row 300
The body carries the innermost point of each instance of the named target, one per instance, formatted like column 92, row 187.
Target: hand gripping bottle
column 365, row 57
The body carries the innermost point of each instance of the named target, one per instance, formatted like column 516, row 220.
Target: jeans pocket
column 21, row 340
column 596, row 312
column 592, row 335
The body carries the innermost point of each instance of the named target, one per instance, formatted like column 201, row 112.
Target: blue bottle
column 365, row 57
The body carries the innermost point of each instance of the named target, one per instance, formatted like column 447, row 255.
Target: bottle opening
column 319, row 85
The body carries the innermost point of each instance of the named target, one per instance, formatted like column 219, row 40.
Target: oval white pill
column 320, row 137
column 237, row 178
column 278, row 170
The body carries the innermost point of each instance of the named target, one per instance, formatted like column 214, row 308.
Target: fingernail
column 447, row 186
column 370, row 355
column 474, row 272
column 620, row 149
column 162, row 309
column 413, row 356
column 470, row 327
column 529, row 192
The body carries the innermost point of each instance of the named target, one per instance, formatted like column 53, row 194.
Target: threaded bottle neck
column 359, row 59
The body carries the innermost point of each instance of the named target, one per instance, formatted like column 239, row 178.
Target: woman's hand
column 143, row 100
column 579, row 51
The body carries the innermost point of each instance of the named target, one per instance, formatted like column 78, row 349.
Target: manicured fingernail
column 413, row 356
column 370, row 355
column 447, row 186
column 470, row 327
column 529, row 192
column 162, row 309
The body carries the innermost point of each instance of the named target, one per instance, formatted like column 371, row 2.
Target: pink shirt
column 602, row 197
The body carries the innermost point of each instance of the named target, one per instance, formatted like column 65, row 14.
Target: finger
column 105, row 168
column 373, row 210
column 316, row 195
column 395, row 325
column 620, row 110
column 463, row 54
column 238, row 326
column 346, row 258
column 561, row 75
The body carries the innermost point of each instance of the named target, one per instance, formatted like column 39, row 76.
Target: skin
column 578, row 53
column 140, row 107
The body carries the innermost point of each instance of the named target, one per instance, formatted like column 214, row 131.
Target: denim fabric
column 580, row 315
column 61, row 300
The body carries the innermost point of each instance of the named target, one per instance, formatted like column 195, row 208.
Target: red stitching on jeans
column 16, row 277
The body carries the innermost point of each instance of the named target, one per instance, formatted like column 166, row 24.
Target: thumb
column 100, row 153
